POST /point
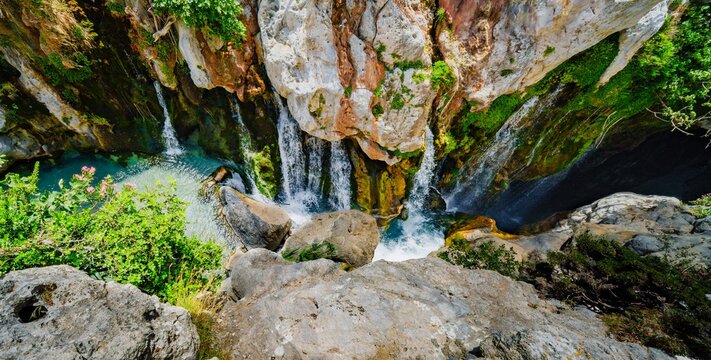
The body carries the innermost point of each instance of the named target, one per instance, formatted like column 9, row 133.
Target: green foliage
column 442, row 75
column 549, row 50
column 644, row 299
column 321, row 250
column 379, row 51
column 348, row 91
column 264, row 173
column 397, row 102
column 116, row 7
column 679, row 58
column 54, row 68
column 378, row 110
column 701, row 207
column 409, row 64
column 485, row 255
column 506, row 72
column 219, row 17
column 492, row 118
column 441, row 15
column 123, row 235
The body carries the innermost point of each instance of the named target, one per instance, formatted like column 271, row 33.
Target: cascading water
column 495, row 157
column 314, row 149
column 170, row 139
column 245, row 146
column 419, row 235
column 340, row 177
column 293, row 165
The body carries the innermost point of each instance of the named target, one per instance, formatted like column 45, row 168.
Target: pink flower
column 79, row 177
column 90, row 189
column 88, row 170
column 130, row 186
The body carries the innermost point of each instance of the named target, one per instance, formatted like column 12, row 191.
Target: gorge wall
column 78, row 76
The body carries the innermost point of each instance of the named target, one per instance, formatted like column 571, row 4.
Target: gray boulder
column 254, row 224
column 424, row 308
column 355, row 235
column 59, row 312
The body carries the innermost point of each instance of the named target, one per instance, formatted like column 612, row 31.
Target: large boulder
column 354, row 234
column 424, row 308
column 254, row 224
column 647, row 224
column 59, row 312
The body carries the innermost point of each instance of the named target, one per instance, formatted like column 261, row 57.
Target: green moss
column 506, row 72
column 442, row 75
column 265, row 175
column 549, row 50
column 378, row 110
column 57, row 73
column 379, row 51
column 492, row 118
column 116, row 7
column 397, row 102
column 348, row 91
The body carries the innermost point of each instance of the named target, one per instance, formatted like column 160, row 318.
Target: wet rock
column 254, row 224
column 424, row 308
column 645, row 244
column 354, row 234
column 59, row 312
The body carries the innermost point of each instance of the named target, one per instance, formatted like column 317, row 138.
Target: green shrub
column 219, row 17
column 348, row 91
column 124, row 235
column 57, row 73
column 701, row 207
column 442, row 75
column 482, row 256
column 116, row 7
column 397, row 102
column 322, row 250
column 441, row 15
column 506, row 72
column 378, row 110
column 644, row 299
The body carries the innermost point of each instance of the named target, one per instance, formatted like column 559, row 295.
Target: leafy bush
column 481, row 256
column 322, row 250
column 58, row 73
column 701, row 207
column 123, row 234
column 679, row 58
column 219, row 17
column 442, row 75
column 644, row 299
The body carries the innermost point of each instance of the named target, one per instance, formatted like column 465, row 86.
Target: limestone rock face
column 327, row 59
column 354, row 233
column 254, row 224
column 59, row 312
column 424, row 308
column 499, row 47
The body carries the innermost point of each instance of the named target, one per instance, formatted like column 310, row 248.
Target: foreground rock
column 424, row 308
column 355, row 235
column 59, row 312
column 254, row 224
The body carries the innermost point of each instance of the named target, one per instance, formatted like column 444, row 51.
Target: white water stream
column 170, row 139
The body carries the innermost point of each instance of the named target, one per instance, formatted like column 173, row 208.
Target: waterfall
column 420, row 234
column 170, row 139
column 495, row 157
column 245, row 146
column 314, row 150
column 340, row 176
column 423, row 178
column 293, row 165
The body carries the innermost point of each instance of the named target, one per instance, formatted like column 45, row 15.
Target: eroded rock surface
column 59, row 312
column 254, row 224
column 424, row 308
column 354, row 234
